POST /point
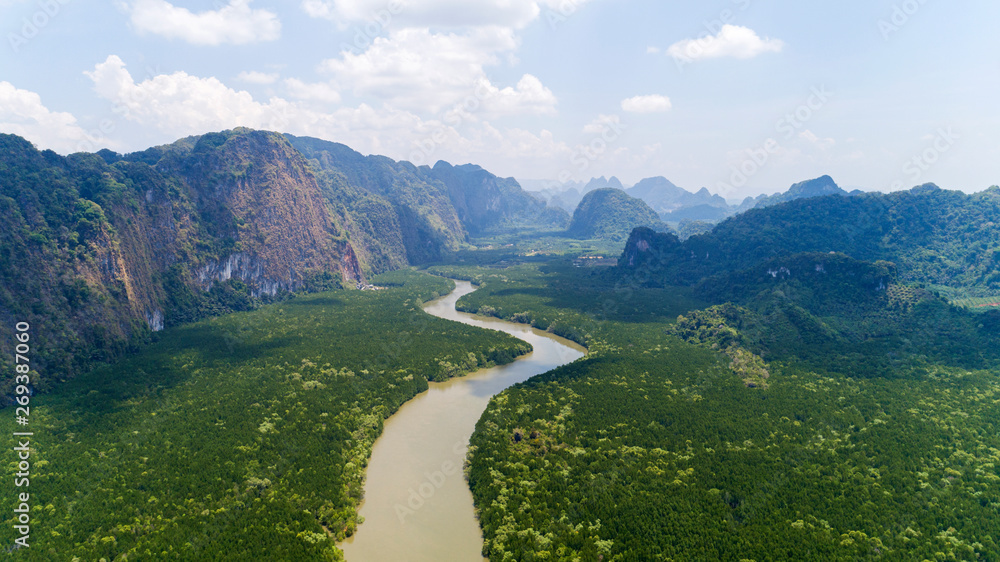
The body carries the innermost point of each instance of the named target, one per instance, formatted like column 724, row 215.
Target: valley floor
column 244, row 437
column 654, row 448
column 683, row 435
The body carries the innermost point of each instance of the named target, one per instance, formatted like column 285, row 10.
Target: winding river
column 418, row 506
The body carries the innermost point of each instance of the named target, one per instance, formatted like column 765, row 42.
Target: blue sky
column 740, row 96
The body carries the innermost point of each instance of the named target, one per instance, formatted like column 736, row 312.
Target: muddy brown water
column 418, row 507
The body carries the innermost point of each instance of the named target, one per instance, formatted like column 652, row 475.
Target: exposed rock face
column 262, row 196
column 106, row 246
column 155, row 320
column 99, row 250
column 486, row 203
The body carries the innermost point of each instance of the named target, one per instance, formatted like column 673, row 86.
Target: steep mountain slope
column 487, row 204
column 96, row 255
column 943, row 238
column 102, row 249
column 398, row 213
column 815, row 306
column 611, row 214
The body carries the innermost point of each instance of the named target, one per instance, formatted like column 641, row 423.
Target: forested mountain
column 394, row 210
column 487, row 204
column 611, row 214
column 436, row 207
column 947, row 239
column 818, row 187
column 843, row 315
column 99, row 250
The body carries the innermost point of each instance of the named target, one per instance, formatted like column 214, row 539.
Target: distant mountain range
column 944, row 239
column 676, row 205
column 567, row 196
column 818, row 187
column 665, row 197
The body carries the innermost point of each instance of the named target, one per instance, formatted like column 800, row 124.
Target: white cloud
column 235, row 23
column 816, row 141
column 601, row 124
column 731, row 41
column 652, row 50
column 435, row 13
column 255, row 77
column 419, row 70
column 23, row 113
column 179, row 105
column 647, row 104
column 320, row 92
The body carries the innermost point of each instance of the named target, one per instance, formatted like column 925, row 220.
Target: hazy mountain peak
column 665, row 197
column 819, row 187
column 823, row 185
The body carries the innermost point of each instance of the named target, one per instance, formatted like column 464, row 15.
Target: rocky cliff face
column 266, row 206
column 98, row 251
column 487, row 204
column 401, row 216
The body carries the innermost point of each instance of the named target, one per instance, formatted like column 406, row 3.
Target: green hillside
column 944, row 239
column 611, row 214
column 676, row 440
column 102, row 250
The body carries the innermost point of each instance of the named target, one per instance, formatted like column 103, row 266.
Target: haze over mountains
column 123, row 245
column 99, row 251
column 675, row 204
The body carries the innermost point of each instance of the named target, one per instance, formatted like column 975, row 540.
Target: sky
column 740, row 96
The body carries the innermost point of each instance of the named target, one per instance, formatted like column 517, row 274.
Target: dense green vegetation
column 571, row 302
column 819, row 187
column 816, row 379
column 100, row 250
column 241, row 437
column 611, row 214
column 663, row 444
column 103, row 249
column 851, row 317
column 944, row 239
